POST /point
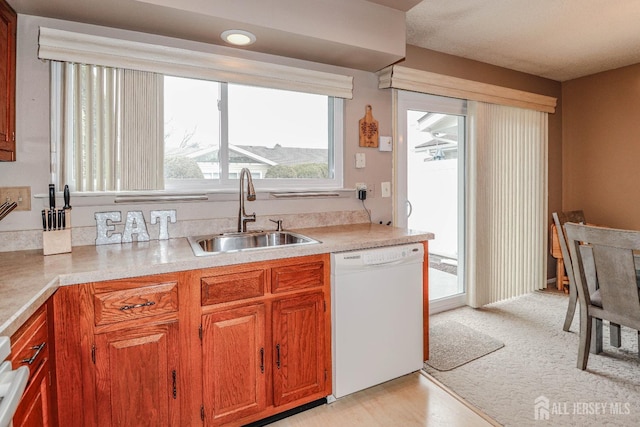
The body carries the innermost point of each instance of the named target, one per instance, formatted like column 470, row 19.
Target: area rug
column 533, row 380
column 452, row 344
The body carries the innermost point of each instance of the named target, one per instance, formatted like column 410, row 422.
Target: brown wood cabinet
column 30, row 347
column 120, row 343
column 220, row 346
column 298, row 337
column 136, row 376
column 8, row 24
column 233, row 354
column 265, row 338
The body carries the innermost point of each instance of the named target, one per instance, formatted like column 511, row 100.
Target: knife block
column 57, row 241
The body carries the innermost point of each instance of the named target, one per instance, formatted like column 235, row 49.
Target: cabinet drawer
column 292, row 277
column 232, row 287
column 30, row 343
column 130, row 304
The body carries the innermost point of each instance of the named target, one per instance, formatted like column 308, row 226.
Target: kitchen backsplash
column 82, row 236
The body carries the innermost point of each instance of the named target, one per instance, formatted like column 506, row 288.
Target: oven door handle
column 12, row 385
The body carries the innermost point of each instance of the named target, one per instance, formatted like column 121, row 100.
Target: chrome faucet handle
column 278, row 222
column 245, row 219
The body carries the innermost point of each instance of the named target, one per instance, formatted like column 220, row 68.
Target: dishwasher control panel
column 347, row 261
column 388, row 255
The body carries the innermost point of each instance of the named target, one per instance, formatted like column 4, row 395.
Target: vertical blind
column 507, row 217
column 110, row 127
column 142, row 144
column 87, row 121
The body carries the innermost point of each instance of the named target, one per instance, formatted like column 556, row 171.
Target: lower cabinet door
column 233, row 364
column 298, row 347
column 136, row 376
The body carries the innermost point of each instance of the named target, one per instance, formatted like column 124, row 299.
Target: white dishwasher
column 377, row 323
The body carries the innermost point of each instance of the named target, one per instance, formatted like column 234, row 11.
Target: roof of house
column 277, row 155
column 288, row 155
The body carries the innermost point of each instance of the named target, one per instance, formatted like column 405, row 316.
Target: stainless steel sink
column 233, row 242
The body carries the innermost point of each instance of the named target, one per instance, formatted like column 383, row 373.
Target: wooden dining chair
column 560, row 218
column 615, row 333
column 604, row 258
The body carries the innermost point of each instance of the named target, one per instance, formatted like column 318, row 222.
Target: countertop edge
column 11, row 325
column 323, row 234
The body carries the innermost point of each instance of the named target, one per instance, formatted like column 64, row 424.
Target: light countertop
column 28, row 279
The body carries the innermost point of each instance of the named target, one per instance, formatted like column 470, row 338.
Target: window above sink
column 188, row 120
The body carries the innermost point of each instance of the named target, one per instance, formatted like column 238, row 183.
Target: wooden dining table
column 562, row 281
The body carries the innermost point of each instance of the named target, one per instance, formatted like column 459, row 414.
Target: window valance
column 399, row 77
column 60, row 45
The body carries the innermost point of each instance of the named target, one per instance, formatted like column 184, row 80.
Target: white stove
column 12, row 384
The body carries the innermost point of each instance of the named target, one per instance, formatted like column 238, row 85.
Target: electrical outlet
column 20, row 195
column 371, row 190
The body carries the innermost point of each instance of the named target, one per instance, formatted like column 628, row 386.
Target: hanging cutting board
column 368, row 127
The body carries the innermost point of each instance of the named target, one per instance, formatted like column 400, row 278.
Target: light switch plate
column 360, row 160
column 385, row 189
column 385, row 143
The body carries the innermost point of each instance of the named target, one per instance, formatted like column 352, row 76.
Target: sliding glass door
column 430, row 187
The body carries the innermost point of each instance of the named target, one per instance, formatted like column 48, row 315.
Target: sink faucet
column 243, row 218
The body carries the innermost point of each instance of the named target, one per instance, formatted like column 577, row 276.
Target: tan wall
column 32, row 167
column 428, row 60
column 601, row 148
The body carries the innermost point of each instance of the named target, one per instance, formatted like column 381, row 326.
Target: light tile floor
column 412, row 400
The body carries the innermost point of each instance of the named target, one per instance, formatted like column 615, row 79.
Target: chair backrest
column 560, row 219
column 608, row 255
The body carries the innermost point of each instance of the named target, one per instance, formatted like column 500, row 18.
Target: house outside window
column 213, row 130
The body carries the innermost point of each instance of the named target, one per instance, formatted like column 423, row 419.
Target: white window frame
column 335, row 158
column 335, row 161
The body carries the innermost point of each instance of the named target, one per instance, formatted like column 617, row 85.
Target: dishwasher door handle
column 387, row 263
column 12, row 385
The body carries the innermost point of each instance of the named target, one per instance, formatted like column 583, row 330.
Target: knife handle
column 44, row 220
column 50, row 220
column 67, row 197
column 52, row 196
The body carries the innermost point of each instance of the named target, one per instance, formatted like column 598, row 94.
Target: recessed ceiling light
column 238, row 37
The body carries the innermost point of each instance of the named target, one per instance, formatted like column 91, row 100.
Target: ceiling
column 556, row 39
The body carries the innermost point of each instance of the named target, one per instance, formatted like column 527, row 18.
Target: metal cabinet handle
column 262, row 360
column 38, row 349
column 278, row 356
column 144, row 304
column 175, row 387
column 410, row 206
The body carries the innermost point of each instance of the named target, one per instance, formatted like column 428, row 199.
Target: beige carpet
column 452, row 344
column 536, row 368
